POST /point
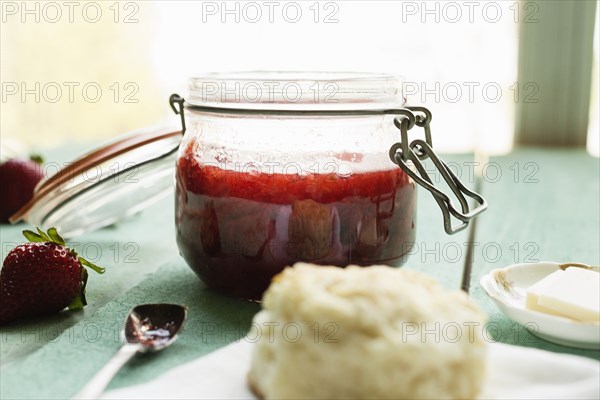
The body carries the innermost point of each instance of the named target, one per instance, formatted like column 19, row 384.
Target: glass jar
column 273, row 168
column 276, row 168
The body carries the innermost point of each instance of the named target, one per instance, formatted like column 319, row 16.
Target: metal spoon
column 148, row 328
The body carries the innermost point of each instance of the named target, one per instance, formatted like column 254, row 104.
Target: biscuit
column 376, row 332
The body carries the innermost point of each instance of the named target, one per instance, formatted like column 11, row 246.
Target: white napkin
column 514, row 373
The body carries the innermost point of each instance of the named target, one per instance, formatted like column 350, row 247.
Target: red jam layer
column 236, row 230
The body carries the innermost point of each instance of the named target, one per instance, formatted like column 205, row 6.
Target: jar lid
column 265, row 90
column 106, row 184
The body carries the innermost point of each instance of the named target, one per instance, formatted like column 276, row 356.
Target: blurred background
column 494, row 74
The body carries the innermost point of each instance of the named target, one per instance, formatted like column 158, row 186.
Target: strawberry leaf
column 91, row 265
column 43, row 235
column 32, row 236
column 80, row 301
column 56, row 238
column 36, row 158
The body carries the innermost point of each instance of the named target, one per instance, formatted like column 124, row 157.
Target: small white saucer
column 508, row 286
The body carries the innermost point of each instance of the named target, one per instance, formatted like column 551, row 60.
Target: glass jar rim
column 297, row 91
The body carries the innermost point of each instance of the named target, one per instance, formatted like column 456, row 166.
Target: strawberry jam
column 236, row 230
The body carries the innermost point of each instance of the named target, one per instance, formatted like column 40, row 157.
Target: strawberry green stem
column 53, row 237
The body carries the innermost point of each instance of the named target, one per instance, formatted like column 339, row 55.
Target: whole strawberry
column 42, row 277
column 17, row 180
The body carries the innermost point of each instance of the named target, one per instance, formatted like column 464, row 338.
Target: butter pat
column 573, row 293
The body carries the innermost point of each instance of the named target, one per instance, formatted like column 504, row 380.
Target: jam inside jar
column 259, row 191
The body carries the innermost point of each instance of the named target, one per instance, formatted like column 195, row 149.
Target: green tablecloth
column 544, row 205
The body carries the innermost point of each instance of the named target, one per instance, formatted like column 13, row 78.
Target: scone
column 376, row 332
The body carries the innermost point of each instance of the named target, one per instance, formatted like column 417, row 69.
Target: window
column 113, row 67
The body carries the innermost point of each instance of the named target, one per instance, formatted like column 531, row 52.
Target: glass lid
column 106, row 184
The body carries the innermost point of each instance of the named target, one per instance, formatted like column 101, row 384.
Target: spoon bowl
column 154, row 326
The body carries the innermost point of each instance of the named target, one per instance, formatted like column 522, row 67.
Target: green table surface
column 544, row 206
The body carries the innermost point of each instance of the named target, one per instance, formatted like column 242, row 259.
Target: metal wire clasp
column 177, row 99
column 402, row 153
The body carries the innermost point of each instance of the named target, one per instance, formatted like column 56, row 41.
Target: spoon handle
column 96, row 386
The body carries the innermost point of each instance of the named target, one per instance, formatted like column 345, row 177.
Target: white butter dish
column 507, row 287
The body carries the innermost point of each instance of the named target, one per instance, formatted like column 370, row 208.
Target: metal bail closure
column 403, row 152
column 177, row 99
